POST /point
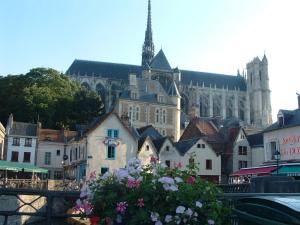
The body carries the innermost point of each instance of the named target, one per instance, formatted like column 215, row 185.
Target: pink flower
column 131, row 183
column 140, row 203
column 191, row 180
column 93, row 175
column 121, row 207
column 153, row 160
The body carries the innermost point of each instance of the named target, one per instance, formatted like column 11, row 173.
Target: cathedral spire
column 148, row 47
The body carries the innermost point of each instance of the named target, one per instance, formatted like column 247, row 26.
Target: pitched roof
column 159, row 142
column 199, row 127
column 23, row 129
column 173, row 90
column 291, row 119
column 160, row 61
column 184, row 145
column 256, row 140
column 149, row 131
column 121, row 72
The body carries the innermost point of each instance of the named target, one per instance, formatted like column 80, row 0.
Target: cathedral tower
column 148, row 47
column 259, row 92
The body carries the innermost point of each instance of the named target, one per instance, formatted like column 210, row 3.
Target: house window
column 242, row 150
column 47, row 158
column 208, row 164
column 76, row 152
column 14, row 156
column 28, row 142
column 203, row 145
column 147, row 147
column 198, row 145
column 273, row 149
column 111, row 152
column 168, row 163
column 242, row 164
column 160, row 98
column 130, row 113
column 26, row 157
column 163, row 132
column 112, row 133
column 58, row 152
column 104, row 170
column 167, row 148
column 16, row 141
column 133, row 95
column 58, row 175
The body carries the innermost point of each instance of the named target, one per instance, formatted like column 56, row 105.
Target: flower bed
column 151, row 195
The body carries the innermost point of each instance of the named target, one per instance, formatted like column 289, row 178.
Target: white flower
column 122, row 174
column 85, row 191
column 154, row 216
column 180, row 209
column 119, row 219
column 173, row 188
column 195, row 214
column 166, row 180
column 189, row 212
column 106, row 175
column 158, row 223
column 199, row 204
column 168, row 218
column 178, row 179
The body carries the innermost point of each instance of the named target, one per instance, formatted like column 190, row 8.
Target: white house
column 2, row 138
column 146, row 150
column 21, row 141
column 107, row 144
column 51, row 150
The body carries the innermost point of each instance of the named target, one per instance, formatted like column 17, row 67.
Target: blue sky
column 216, row 36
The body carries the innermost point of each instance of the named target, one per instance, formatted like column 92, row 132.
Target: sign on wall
column 290, row 145
column 111, row 141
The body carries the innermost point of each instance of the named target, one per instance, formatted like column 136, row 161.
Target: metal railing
column 24, row 183
column 235, row 188
column 48, row 214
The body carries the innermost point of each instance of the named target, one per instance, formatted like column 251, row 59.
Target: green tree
column 48, row 96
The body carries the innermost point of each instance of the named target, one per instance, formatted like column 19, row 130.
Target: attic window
column 147, row 147
column 280, row 120
column 167, row 148
column 133, row 95
column 160, row 98
column 198, row 145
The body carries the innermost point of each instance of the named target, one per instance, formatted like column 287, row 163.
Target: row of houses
column 108, row 142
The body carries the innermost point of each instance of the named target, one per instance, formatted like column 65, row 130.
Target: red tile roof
column 254, row 171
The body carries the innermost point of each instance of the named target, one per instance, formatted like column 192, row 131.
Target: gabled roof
column 160, row 62
column 23, row 129
column 256, row 140
column 199, row 127
column 291, row 119
column 184, row 145
column 142, row 141
column 149, row 131
column 99, row 120
column 159, row 142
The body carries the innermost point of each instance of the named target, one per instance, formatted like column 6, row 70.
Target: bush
column 151, row 195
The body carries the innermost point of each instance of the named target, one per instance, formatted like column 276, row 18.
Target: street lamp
column 277, row 157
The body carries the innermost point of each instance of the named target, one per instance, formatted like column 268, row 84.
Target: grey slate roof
column 160, row 62
column 121, row 71
column 103, row 69
column 184, row 145
column 256, row 140
column 291, row 119
column 23, row 129
column 149, row 131
column 159, row 142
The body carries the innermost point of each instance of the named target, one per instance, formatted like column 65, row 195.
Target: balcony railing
column 24, row 183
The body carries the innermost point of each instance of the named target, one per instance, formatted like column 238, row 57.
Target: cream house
column 200, row 152
column 106, row 145
column 146, row 150
column 241, row 152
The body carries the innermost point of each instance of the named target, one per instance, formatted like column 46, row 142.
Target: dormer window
column 280, row 119
column 161, row 98
column 133, row 95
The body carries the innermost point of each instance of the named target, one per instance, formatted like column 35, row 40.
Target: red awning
column 254, row 171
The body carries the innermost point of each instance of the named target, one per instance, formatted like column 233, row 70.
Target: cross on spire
column 148, row 47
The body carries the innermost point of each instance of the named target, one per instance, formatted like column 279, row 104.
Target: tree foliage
column 48, row 96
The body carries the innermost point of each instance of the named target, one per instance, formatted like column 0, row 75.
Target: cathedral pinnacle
column 148, row 47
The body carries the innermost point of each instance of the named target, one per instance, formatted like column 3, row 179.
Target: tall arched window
column 137, row 113
column 157, row 116
column 130, row 113
column 164, row 116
